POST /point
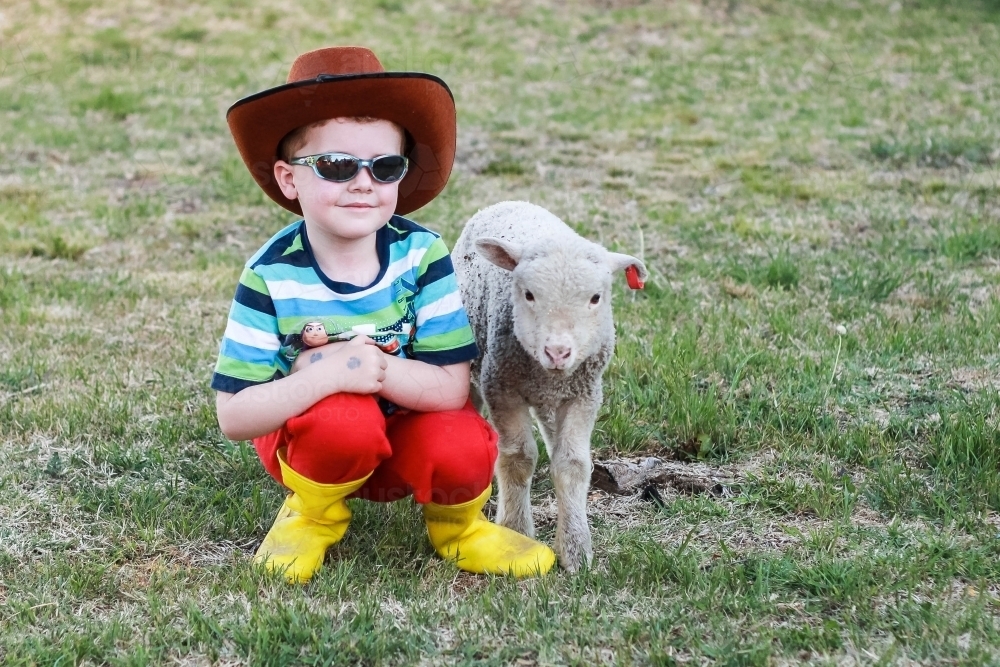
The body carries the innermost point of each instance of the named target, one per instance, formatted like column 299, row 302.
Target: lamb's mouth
column 558, row 370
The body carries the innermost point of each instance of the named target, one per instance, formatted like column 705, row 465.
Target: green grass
column 813, row 186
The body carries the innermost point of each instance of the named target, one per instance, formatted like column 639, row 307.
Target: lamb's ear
column 504, row 254
column 635, row 270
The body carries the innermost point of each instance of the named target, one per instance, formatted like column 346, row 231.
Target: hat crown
column 335, row 60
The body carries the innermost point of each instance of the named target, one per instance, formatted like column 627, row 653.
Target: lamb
column 539, row 301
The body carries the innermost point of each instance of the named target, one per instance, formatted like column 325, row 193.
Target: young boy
column 346, row 355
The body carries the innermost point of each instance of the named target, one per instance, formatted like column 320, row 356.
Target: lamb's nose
column 558, row 354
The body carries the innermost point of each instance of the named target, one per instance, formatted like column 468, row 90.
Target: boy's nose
column 362, row 180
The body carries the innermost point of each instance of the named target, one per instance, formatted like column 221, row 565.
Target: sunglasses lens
column 389, row 169
column 337, row 168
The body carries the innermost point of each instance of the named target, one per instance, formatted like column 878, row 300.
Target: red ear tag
column 632, row 276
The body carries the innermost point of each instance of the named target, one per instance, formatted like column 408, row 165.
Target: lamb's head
column 560, row 295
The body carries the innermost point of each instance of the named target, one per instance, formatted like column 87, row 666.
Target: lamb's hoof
column 572, row 558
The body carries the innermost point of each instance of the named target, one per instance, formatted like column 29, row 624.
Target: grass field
column 814, row 186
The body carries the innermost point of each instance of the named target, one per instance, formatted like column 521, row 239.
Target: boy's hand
column 357, row 365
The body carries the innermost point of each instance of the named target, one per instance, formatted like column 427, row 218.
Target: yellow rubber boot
column 461, row 534
column 313, row 518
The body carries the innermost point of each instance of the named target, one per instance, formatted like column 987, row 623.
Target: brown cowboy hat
column 350, row 81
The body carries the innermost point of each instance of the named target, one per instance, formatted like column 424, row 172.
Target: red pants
column 441, row 457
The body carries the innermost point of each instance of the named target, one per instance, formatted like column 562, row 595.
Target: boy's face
column 343, row 211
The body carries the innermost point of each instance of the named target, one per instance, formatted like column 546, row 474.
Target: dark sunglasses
column 341, row 167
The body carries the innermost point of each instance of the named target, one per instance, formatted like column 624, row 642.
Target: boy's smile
column 340, row 216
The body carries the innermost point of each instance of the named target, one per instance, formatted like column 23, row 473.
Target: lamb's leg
column 546, row 420
column 478, row 402
column 571, row 468
column 515, row 464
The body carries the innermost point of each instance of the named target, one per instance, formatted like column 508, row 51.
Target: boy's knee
column 339, row 439
column 459, row 479
column 460, row 447
column 356, row 411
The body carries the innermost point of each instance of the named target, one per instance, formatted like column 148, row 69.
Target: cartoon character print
column 312, row 334
column 315, row 333
column 387, row 338
column 403, row 292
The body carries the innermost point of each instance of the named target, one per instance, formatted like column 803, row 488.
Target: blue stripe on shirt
column 436, row 291
column 442, row 324
column 242, row 352
column 309, row 308
column 254, row 319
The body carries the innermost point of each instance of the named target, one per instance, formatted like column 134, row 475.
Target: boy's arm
column 357, row 367
column 264, row 408
column 411, row 384
column 421, row 386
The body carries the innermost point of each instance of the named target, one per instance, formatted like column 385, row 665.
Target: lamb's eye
column 528, row 296
column 595, row 299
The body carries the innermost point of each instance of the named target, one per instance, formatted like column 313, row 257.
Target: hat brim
column 420, row 103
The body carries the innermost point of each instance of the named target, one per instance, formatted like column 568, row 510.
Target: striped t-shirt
column 284, row 303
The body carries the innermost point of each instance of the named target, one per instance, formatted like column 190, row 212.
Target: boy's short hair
column 297, row 138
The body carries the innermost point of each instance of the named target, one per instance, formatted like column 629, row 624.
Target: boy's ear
column 283, row 177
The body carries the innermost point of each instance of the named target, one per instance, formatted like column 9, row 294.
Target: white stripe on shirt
column 241, row 333
column 449, row 303
column 292, row 289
